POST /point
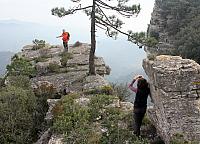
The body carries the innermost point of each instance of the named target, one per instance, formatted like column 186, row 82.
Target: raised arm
column 131, row 87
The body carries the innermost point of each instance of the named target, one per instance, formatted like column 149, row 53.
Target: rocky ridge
column 72, row 77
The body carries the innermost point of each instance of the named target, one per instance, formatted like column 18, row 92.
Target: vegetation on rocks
column 53, row 68
column 38, row 44
column 21, row 66
column 22, row 111
column 121, row 91
column 41, row 58
column 96, row 122
column 182, row 27
column 179, row 139
column 65, row 56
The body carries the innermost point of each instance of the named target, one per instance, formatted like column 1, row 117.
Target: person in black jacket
column 140, row 104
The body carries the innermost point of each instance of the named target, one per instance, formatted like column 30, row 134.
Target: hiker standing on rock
column 65, row 37
column 140, row 104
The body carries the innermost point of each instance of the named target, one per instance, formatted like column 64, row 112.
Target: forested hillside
column 182, row 26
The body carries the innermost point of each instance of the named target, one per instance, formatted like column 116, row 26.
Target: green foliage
column 21, row 112
column 19, row 81
column 41, row 58
column 95, row 123
column 77, row 44
column 65, row 56
column 21, row 66
column 183, row 27
column 121, row 91
column 107, row 90
column 17, row 115
column 142, row 39
column 151, row 56
column 53, row 67
column 38, row 44
column 187, row 41
column 1, row 82
column 179, row 139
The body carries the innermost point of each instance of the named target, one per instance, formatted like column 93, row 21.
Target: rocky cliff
column 158, row 28
column 175, row 90
column 65, row 70
column 65, row 76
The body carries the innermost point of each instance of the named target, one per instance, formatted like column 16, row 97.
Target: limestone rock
column 62, row 80
column 51, row 103
column 174, row 83
column 44, row 139
column 56, row 140
column 92, row 82
column 42, row 67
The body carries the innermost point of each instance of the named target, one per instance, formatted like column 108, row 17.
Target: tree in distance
column 110, row 23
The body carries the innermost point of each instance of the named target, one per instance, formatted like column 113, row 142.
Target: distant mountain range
column 123, row 57
column 5, row 58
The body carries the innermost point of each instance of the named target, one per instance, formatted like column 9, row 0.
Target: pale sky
column 39, row 11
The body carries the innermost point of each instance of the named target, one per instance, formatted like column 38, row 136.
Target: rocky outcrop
column 175, row 90
column 73, row 75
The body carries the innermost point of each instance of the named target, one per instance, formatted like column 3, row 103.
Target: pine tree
column 110, row 23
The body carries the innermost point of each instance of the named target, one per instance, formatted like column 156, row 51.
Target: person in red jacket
column 65, row 37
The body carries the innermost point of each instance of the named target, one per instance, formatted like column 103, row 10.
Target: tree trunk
column 93, row 42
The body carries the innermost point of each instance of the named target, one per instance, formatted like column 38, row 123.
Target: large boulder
column 175, row 89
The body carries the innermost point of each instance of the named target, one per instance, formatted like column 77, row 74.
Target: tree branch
column 62, row 12
column 121, row 10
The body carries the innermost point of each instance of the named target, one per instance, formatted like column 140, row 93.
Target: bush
column 19, row 81
column 179, row 139
column 121, row 91
column 77, row 44
column 38, row 44
column 21, row 112
column 53, row 67
column 17, row 112
column 95, row 123
column 1, row 82
column 21, row 66
column 65, row 56
column 151, row 56
column 41, row 59
column 107, row 90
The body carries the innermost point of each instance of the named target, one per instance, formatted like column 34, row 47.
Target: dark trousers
column 65, row 45
column 138, row 117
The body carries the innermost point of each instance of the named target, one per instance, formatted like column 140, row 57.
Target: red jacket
column 65, row 36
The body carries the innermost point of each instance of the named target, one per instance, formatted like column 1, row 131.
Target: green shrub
column 19, row 81
column 107, row 90
column 1, row 82
column 53, row 67
column 77, row 44
column 38, row 44
column 151, row 56
column 122, row 91
column 21, row 66
column 179, row 139
column 17, row 112
column 83, row 124
column 65, row 56
column 41, row 58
